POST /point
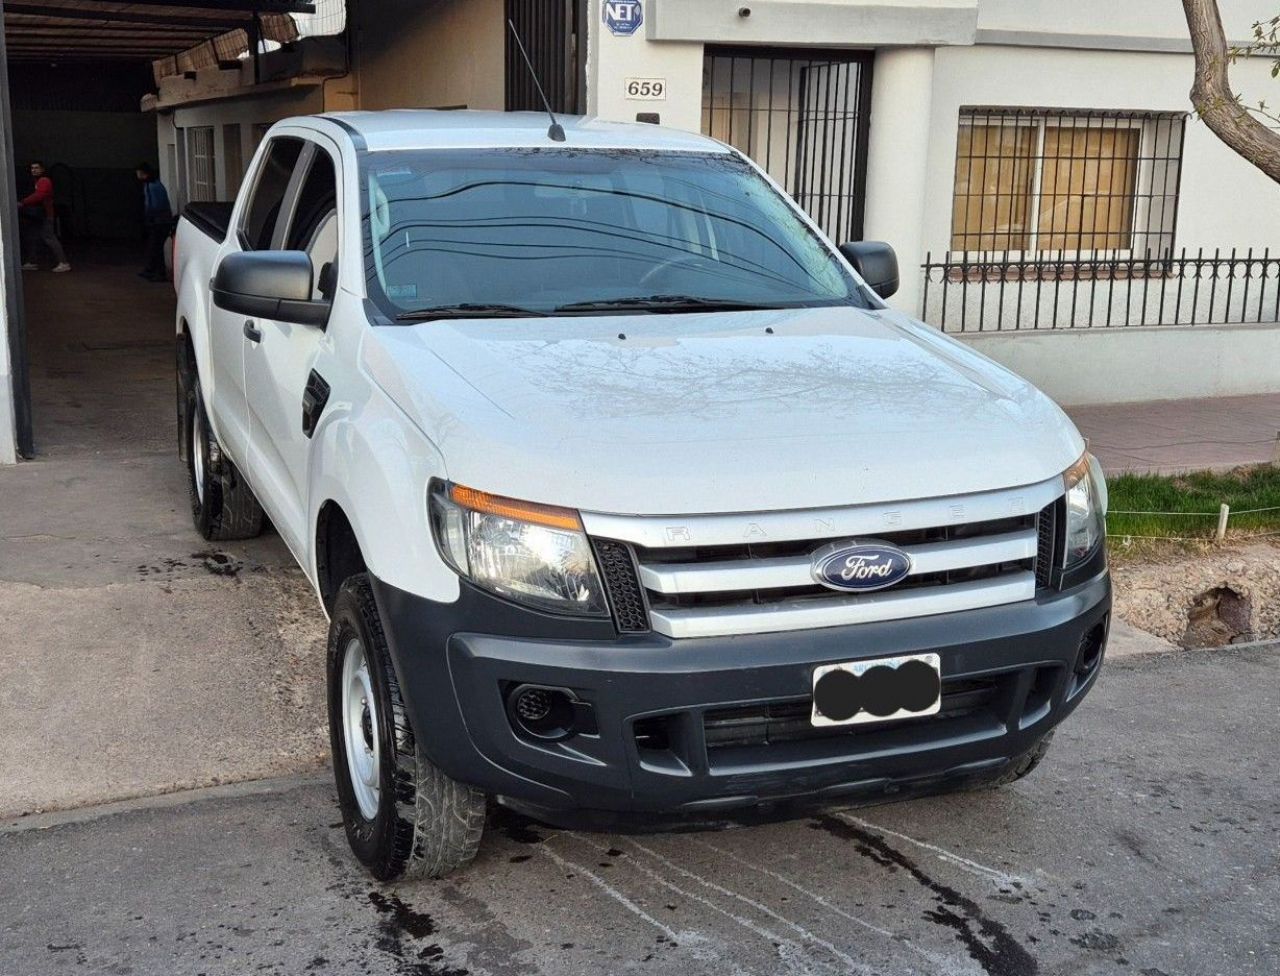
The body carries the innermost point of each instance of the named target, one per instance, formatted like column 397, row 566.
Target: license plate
column 879, row 690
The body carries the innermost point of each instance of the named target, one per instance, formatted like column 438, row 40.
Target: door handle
column 252, row 332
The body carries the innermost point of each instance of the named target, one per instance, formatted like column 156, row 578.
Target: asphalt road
column 1146, row 844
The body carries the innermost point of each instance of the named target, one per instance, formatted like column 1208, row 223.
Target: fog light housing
column 1090, row 651
column 548, row 714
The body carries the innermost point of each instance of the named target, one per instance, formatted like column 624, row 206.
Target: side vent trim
column 622, row 583
column 314, row 398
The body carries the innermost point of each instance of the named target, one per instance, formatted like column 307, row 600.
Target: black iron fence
column 966, row 294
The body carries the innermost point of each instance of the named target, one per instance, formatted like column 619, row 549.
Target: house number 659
column 647, row 89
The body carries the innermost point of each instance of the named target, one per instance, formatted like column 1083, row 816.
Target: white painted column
column 898, row 161
column 8, row 265
column 8, row 433
column 611, row 60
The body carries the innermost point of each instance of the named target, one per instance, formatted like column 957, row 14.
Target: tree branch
column 1212, row 95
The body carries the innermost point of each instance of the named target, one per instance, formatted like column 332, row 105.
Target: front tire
column 1025, row 764
column 404, row 817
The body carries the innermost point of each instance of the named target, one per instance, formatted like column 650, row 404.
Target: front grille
column 799, row 551
column 719, row 575
column 623, row 586
column 770, row 723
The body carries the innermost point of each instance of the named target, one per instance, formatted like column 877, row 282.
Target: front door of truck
column 280, row 362
column 254, row 227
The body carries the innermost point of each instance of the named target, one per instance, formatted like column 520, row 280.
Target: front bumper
column 701, row 727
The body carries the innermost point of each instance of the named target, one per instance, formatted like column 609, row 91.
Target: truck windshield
column 481, row 233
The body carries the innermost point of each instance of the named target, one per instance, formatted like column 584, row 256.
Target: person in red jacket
column 38, row 215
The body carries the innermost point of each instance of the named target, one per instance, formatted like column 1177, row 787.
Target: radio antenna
column 556, row 132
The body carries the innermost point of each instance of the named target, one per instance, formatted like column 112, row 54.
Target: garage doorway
column 803, row 116
column 91, row 350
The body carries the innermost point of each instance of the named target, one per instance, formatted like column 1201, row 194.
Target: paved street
column 1146, row 844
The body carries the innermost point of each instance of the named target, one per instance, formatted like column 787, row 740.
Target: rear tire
column 223, row 505
column 404, row 817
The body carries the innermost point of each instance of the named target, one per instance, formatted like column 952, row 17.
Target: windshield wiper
column 665, row 303
column 469, row 310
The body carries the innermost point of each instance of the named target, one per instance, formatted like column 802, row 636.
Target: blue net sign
column 623, row 17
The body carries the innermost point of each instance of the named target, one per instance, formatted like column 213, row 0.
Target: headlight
column 534, row 554
column 1086, row 508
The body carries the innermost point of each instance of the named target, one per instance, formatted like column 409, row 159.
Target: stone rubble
column 1158, row 587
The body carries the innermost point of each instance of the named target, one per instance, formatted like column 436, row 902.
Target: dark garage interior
column 92, row 349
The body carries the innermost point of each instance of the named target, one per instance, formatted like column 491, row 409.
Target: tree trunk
column 1216, row 102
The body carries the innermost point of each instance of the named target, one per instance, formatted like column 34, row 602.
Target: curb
column 163, row 801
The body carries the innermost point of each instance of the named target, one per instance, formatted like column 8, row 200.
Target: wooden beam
column 37, row 57
column 221, row 6
column 133, row 46
column 21, row 8
column 45, row 44
column 71, row 32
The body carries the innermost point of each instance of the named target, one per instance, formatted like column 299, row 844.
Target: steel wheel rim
column 197, row 451
column 360, row 729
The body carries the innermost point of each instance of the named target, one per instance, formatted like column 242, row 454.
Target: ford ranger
column 626, row 495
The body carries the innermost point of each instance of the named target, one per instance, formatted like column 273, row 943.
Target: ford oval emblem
column 860, row 567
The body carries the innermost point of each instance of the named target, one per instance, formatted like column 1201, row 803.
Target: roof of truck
column 435, row 129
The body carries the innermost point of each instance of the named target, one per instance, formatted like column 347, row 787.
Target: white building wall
column 431, row 54
column 804, row 22
column 1138, row 365
column 1147, row 24
column 612, row 60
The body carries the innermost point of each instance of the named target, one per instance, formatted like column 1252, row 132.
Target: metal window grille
column 1039, row 183
column 552, row 31
column 201, row 184
column 803, row 116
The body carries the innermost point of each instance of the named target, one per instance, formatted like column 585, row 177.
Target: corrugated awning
column 177, row 35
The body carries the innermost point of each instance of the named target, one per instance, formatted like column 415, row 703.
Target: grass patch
column 1195, row 498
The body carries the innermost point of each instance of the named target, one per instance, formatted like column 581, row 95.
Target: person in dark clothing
column 157, row 214
column 38, row 220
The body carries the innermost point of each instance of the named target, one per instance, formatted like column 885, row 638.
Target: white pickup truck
column 625, row 493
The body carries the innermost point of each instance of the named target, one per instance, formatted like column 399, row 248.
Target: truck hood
column 703, row 413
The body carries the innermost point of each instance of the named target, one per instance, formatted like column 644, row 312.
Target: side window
column 259, row 221
column 314, row 227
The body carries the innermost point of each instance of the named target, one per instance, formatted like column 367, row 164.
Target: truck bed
column 212, row 218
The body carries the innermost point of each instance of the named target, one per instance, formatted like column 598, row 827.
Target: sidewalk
column 1169, row 436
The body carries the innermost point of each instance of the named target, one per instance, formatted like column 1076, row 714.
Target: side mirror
column 876, row 263
column 269, row 285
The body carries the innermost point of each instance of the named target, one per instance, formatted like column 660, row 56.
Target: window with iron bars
column 1065, row 184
